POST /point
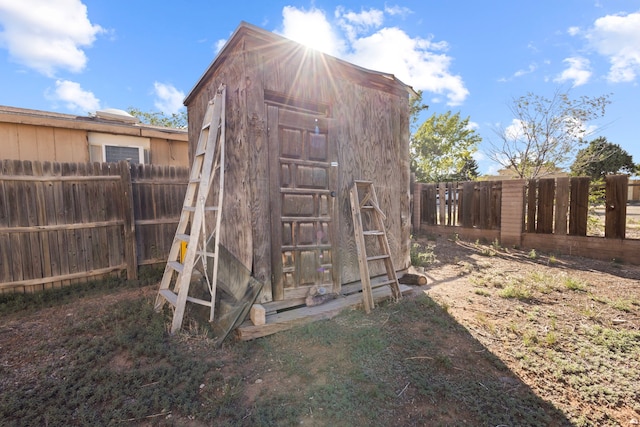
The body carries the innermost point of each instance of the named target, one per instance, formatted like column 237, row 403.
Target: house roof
column 372, row 78
column 108, row 123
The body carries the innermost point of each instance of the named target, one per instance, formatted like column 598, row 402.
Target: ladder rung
column 199, row 301
column 373, row 233
column 169, row 296
column 183, row 237
column 377, row 257
column 176, row 266
column 195, row 181
column 207, row 254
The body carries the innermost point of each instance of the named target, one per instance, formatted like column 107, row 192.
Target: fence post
column 512, row 212
column 129, row 220
column 417, row 206
column 616, row 192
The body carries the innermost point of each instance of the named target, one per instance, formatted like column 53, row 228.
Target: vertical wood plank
column 562, row 205
column 467, row 204
column 41, row 209
column 6, row 268
column 579, row 206
column 532, row 197
column 616, row 191
column 496, row 205
column 129, row 221
column 546, row 196
column 60, row 218
column 277, row 280
column 444, row 203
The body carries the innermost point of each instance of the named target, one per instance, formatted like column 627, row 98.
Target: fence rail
column 540, row 213
column 63, row 223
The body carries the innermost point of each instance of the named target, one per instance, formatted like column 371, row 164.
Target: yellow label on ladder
column 183, row 251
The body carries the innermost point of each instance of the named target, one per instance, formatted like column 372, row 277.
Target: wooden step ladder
column 363, row 199
column 207, row 169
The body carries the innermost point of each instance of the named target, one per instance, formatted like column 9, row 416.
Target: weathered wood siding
column 157, row 199
column 62, row 223
column 370, row 126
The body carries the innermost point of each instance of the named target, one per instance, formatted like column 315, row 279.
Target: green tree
column 416, row 107
column 469, row 171
column 155, row 118
column 545, row 132
column 601, row 158
column 442, row 148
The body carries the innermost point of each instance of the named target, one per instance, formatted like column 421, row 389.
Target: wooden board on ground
column 288, row 319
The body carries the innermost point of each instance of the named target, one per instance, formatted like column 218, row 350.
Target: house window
column 113, row 153
column 104, row 147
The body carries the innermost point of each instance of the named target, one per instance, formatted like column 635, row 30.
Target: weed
column 530, row 338
column 622, row 305
column 422, row 256
column 532, row 254
column 482, row 292
column 552, row 260
column 574, row 284
column 486, row 323
column 551, row 339
column 517, row 291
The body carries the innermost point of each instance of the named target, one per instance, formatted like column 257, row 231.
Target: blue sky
column 74, row 56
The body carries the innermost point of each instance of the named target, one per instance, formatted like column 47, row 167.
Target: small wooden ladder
column 363, row 198
column 207, row 168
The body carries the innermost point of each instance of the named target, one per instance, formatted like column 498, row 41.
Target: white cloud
column 531, row 69
column 418, row 62
column 618, row 38
column 168, row 98
column 75, row 98
column 573, row 31
column 515, row 130
column 398, row 11
column 354, row 24
column 578, row 71
column 219, row 45
column 47, row 35
column 362, row 39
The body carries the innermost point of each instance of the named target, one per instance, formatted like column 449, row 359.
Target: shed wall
column 370, row 127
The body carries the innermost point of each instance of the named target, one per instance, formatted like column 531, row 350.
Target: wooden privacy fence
column 66, row 223
column 547, row 214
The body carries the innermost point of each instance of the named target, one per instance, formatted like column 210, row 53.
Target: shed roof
column 383, row 81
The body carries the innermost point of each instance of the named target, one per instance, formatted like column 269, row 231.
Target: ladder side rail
column 361, row 249
column 221, row 166
column 388, row 261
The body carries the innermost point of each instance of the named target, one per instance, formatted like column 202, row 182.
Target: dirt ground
column 470, row 280
column 533, row 311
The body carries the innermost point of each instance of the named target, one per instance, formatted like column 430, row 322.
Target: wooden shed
column 301, row 126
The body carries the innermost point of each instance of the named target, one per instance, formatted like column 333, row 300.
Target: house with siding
column 106, row 136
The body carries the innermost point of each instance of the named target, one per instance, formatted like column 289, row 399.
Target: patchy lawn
column 497, row 337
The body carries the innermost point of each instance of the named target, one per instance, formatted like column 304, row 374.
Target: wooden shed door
column 303, row 177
